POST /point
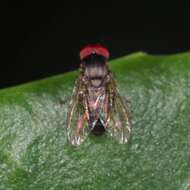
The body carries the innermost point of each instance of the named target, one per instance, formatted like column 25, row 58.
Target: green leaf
column 33, row 149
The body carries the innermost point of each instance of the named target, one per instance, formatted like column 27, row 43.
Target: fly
column 96, row 105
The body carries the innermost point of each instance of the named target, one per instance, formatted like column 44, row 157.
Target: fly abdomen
column 99, row 128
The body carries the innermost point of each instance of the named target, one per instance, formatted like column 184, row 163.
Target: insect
column 96, row 105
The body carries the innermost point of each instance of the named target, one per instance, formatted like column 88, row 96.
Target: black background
column 43, row 39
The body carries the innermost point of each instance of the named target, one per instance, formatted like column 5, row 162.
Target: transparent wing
column 77, row 125
column 119, row 123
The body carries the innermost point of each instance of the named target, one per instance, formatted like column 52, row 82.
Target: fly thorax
column 96, row 73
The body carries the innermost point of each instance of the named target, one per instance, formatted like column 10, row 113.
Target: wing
column 77, row 125
column 119, row 123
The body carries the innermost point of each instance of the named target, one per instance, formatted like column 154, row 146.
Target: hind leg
column 81, row 122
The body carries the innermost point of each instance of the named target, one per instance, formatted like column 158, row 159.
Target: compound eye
column 94, row 49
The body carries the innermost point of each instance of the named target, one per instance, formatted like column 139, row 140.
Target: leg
column 81, row 122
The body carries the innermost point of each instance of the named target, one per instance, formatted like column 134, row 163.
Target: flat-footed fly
column 96, row 105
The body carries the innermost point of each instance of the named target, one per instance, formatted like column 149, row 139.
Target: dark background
column 43, row 39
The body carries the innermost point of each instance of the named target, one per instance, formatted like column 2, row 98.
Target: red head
column 94, row 49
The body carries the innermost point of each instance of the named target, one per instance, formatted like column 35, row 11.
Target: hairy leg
column 81, row 122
